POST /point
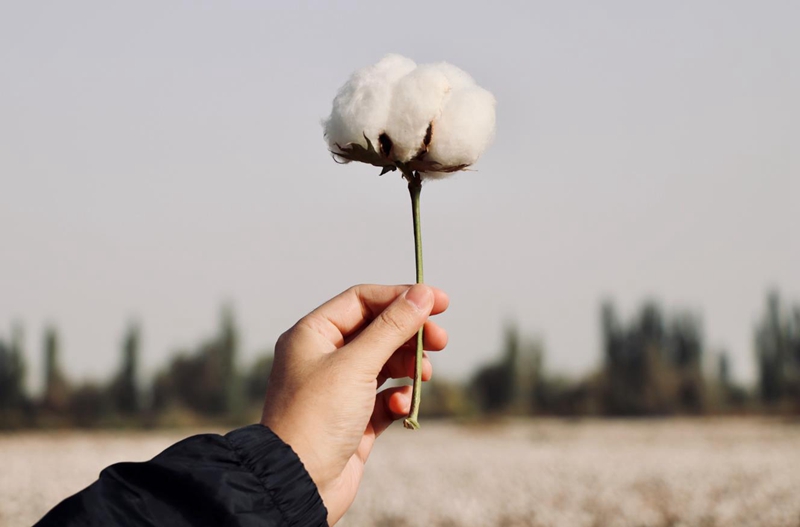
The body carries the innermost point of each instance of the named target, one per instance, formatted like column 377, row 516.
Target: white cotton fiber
column 464, row 129
column 362, row 104
column 397, row 98
column 458, row 78
column 418, row 100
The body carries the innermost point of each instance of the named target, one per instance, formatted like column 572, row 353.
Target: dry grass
column 708, row 473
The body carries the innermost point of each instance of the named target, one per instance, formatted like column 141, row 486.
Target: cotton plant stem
column 415, row 188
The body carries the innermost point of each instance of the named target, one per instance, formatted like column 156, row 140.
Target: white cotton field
column 585, row 473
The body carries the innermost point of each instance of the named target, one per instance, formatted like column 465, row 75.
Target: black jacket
column 248, row 477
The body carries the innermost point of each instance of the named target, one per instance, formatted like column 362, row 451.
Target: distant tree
column 687, row 355
column 630, row 355
column 206, row 381
column 511, row 384
column 794, row 344
column 494, row 383
column 445, row 399
column 651, row 366
column 18, row 368
column 257, row 378
column 125, row 388
column 771, row 352
column 56, row 390
column 88, row 405
column 13, row 399
column 724, row 369
column 229, row 343
column 194, row 381
column 529, row 381
column 777, row 344
column 686, row 342
column 163, row 394
column 732, row 394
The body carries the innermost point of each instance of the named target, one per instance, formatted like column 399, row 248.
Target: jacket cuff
column 282, row 473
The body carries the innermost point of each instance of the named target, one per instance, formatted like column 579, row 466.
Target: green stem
column 415, row 188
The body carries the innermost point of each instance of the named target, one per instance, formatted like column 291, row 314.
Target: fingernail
column 419, row 295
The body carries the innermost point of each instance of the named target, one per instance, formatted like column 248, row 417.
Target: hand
column 322, row 400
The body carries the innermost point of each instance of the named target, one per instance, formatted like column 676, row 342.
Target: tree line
column 654, row 364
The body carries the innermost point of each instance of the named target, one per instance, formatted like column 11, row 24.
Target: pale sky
column 160, row 158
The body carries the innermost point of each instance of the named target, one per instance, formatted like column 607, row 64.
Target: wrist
column 281, row 472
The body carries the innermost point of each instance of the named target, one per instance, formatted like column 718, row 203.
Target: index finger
column 349, row 311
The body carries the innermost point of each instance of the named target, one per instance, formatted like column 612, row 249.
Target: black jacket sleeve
column 246, row 478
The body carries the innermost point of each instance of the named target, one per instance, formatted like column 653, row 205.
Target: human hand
column 321, row 398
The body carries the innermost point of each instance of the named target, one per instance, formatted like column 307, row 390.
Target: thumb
column 392, row 328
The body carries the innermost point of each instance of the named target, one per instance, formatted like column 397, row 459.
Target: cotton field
column 532, row 473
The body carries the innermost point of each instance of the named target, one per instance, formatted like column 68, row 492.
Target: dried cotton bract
column 431, row 119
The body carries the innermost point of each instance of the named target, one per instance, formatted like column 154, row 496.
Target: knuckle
column 312, row 322
column 355, row 289
column 393, row 320
column 283, row 343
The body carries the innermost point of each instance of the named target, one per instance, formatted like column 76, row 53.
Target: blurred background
column 628, row 247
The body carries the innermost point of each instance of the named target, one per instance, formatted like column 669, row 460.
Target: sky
column 161, row 159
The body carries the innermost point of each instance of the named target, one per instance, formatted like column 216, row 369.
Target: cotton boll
column 458, row 78
column 431, row 117
column 362, row 105
column 464, row 129
column 417, row 100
